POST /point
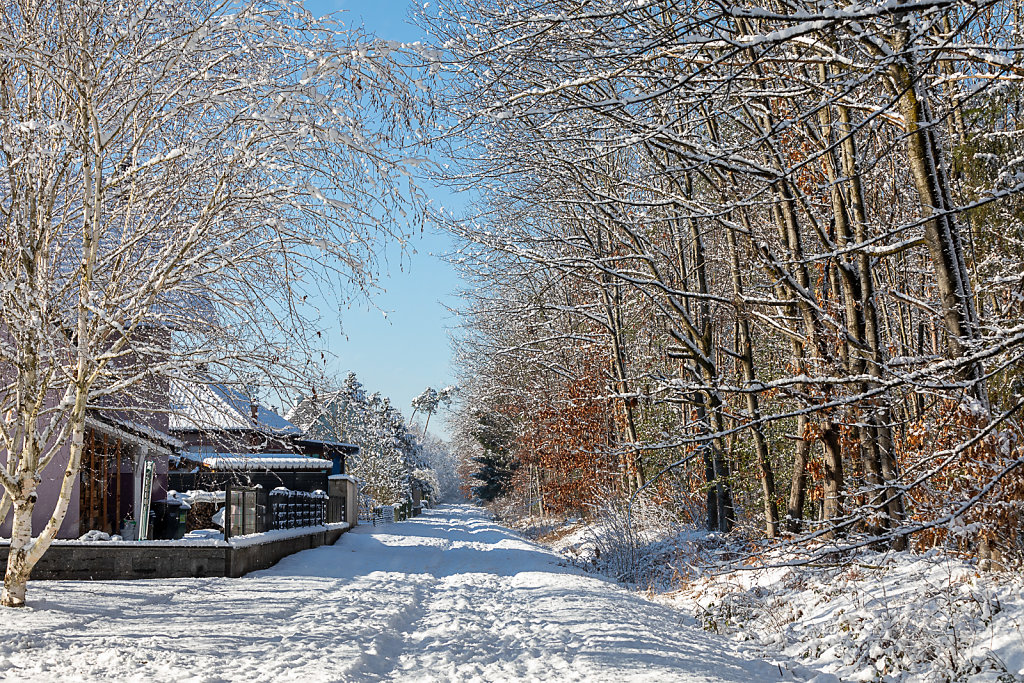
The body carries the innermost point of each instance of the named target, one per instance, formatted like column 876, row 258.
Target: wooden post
column 85, row 492
column 105, row 486
column 117, row 489
column 227, row 510
column 94, row 501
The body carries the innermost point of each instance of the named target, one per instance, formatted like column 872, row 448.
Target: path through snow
column 448, row 596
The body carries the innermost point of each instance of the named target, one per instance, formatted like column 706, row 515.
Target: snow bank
column 645, row 549
column 892, row 617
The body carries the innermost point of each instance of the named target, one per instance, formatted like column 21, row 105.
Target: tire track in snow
column 501, row 608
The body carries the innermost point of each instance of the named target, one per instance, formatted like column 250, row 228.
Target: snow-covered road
column 449, row 596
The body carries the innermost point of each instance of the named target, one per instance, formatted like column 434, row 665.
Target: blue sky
column 402, row 354
column 385, row 18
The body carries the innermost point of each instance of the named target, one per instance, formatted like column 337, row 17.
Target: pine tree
column 497, row 466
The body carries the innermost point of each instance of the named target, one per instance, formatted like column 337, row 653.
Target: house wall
column 154, row 393
column 48, row 488
column 47, row 492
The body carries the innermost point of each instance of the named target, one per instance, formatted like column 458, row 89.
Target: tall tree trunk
column 801, row 287
column 852, row 285
column 745, row 351
column 879, row 416
column 942, row 234
column 799, row 477
column 725, row 513
column 803, row 292
column 24, row 551
column 610, row 296
column 19, row 566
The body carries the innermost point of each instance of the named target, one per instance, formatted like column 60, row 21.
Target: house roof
column 218, row 407
column 131, row 431
column 258, row 461
column 347, row 448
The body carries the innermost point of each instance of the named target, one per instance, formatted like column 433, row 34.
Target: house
column 228, row 436
column 110, row 482
column 209, row 429
column 109, row 489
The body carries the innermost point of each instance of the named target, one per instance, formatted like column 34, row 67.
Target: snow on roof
column 139, row 428
column 107, row 420
column 199, row 406
column 258, row 461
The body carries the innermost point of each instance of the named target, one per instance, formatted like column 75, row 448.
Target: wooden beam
column 104, row 486
column 117, row 490
column 83, row 482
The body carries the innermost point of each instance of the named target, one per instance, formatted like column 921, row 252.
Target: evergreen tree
column 494, row 434
column 390, row 460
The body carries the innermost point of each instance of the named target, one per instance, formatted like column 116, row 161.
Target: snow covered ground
column 897, row 617
column 894, row 617
column 448, row 596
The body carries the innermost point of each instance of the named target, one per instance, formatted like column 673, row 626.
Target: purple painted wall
column 47, row 493
column 48, row 490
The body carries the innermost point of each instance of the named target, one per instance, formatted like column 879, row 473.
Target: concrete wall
column 105, row 562
column 251, row 558
column 116, row 562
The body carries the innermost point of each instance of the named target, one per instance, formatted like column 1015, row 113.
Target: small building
column 228, row 436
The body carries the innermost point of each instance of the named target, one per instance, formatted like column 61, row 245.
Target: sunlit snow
column 446, row 596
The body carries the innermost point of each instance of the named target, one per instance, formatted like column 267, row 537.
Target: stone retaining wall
column 151, row 560
column 241, row 561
